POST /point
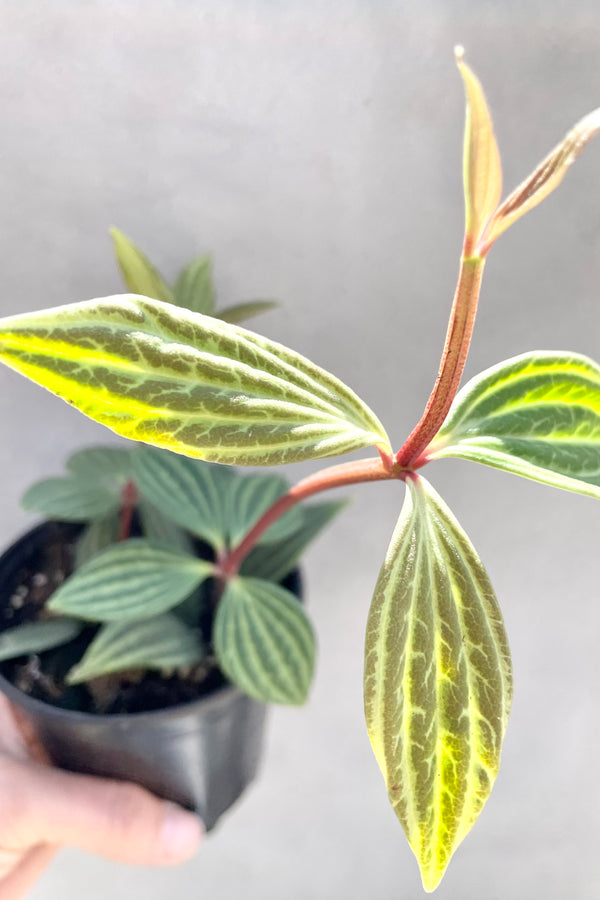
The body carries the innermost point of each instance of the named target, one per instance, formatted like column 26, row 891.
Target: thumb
column 119, row 820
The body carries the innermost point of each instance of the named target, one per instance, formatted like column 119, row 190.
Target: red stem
column 129, row 500
column 334, row 476
column 456, row 348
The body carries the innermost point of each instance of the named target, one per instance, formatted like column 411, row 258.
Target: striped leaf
column 161, row 642
column 536, row 415
column 194, row 287
column 170, row 377
column 274, row 561
column 111, row 465
column 131, row 580
column 138, row 273
column 189, row 491
column 264, row 642
column 242, row 311
column 73, row 499
column 248, row 497
column 35, row 637
column 438, row 683
column 98, row 535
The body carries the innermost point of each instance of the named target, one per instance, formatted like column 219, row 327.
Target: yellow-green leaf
column 482, row 172
column 140, row 276
column 438, row 683
column 164, row 375
column 535, row 415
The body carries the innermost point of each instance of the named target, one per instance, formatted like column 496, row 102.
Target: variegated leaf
column 536, row 415
column 438, row 683
column 131, row 580
column 160, row 642
column 264, row 642
column 176, row 379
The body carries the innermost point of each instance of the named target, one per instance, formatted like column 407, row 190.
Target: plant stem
column 458, row 339
column 129, row 499
column 334, row 476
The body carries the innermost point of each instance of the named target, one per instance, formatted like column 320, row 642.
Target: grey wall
column 314, row 148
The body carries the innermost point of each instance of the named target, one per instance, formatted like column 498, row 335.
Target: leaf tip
column 459, row 53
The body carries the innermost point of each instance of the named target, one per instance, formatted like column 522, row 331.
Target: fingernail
column 180, row 834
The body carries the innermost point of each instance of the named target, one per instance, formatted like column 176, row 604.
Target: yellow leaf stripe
column 438, row 683
column 177, row 379
column 536, row 415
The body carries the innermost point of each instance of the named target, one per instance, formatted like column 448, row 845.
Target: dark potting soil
column 23, row 598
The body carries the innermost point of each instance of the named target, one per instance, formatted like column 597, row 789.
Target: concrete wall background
column 314, row 148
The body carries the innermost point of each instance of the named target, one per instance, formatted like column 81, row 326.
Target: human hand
column 43, row 808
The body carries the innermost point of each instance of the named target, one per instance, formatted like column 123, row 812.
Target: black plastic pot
column 201, row 754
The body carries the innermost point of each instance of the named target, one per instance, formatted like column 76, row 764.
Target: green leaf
column 248, row 497
column 264, row 642
column 173, row 378
column 242, row 311
column 99, row 534
column 73, row 499
column 138, row 273
column 194, row 288
column 161, row 642
column 536, row 415
column 438, row 682
column 189, row 491
column 274, row 561
column 34, row 637
column 131, row 580
column 110, row 465
column 156, row 526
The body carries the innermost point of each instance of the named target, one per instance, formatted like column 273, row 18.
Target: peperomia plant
column 438, row 680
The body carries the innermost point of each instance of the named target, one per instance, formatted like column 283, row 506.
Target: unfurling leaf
column 35, row 637
column 438, row 683
column 72, row 498
column 482, row 172
column 139, row 274
column 173, row 378
column 160, row 642
column 131, row 580
column 264, row 642
column 536, row 415
column 194, row 287
column 545, row 178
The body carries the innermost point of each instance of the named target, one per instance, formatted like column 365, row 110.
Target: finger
column 121, row 821
column 16, row 885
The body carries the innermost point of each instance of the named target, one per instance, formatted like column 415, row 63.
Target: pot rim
column 221, row 696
